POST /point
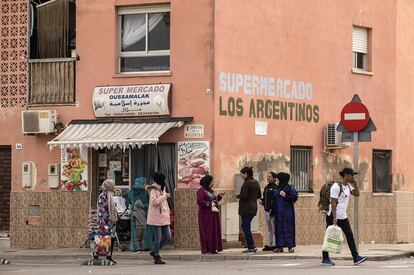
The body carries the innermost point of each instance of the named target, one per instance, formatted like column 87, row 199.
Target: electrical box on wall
column 27, row 174
column 53, row 175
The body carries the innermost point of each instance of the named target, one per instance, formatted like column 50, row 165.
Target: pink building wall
column 191, row 74
column 312, row 42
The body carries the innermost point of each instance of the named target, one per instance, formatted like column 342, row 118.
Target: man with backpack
column 339, row 194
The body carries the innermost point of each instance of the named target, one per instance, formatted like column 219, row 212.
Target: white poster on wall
column 193, row 163
column 74, row 169
column 129, row 101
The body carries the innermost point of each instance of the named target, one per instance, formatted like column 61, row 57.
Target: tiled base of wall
column 62, row 221
column 383, row 218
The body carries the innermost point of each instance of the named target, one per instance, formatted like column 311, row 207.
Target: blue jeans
column 158, row 242
column 246, row 227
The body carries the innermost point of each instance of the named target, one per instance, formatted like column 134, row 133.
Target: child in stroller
column 124, row 215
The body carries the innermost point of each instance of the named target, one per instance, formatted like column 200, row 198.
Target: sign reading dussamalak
column 130, row 101
column 266, row 97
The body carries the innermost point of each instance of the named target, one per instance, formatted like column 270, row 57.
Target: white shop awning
column 112, row 134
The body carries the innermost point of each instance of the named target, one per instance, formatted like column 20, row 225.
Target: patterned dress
column 106, row 227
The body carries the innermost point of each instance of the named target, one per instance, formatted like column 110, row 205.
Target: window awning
column 111, row 134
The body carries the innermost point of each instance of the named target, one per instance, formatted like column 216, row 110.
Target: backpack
column 325, row 196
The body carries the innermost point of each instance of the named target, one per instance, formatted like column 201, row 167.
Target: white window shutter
column 360, row 40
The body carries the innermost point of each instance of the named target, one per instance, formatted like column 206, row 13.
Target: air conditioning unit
column 39, row 121
column 333, row 138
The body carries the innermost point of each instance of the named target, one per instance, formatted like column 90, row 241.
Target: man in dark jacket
column 267, row 202
column 249, row 194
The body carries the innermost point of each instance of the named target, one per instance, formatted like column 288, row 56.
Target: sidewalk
column 375, row 252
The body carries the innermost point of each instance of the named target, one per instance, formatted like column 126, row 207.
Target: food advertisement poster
column 193, row 163
column 74, row 167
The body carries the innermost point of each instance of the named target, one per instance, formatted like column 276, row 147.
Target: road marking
column 290, row 264
column 355, row 116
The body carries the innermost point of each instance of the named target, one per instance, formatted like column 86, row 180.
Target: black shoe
column 214, row 252
column 278, row 250
column 109, row 258
column 158, row 260
column 252, row 250
column 267, row 248
column 152, row 254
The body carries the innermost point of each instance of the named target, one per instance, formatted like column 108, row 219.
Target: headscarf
column 108, row 185
column 205, row 183
column 159, row 178
column 283, row 179
column 140, row 182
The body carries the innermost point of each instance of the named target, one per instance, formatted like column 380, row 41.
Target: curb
column 201, row 258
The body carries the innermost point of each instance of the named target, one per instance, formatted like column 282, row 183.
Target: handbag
column 214, row 207
column 103, row 245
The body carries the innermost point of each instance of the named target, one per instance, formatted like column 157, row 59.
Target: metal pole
column 356, row 199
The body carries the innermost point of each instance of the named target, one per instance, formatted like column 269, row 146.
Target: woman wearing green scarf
column 138, row 192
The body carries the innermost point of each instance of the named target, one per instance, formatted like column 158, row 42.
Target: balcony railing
column 52, row 81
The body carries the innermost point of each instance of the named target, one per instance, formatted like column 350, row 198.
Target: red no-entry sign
column 355, row 116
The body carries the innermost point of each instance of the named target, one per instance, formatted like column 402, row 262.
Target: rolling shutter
column 360, row 40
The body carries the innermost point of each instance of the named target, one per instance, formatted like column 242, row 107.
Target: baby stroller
column 123, row 225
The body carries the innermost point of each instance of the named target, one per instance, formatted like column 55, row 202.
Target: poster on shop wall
column 193, row 163
column 74, row 169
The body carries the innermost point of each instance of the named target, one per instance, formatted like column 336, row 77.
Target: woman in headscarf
column 138, row 193
column 107, row 213
column 209, row 217
column 158, row 215
column 283, row 205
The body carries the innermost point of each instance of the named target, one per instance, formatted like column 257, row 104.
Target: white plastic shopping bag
column 334, row 239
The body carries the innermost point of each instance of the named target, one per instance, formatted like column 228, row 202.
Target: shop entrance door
column 153, row 158
column 5, row 188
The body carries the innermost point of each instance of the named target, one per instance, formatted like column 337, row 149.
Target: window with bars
column 301, row 168
column 381, row 171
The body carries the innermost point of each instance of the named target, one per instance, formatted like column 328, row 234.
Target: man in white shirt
column 340, row 194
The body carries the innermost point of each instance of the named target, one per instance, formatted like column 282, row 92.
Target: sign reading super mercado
column 128, row 101
column 271, row 98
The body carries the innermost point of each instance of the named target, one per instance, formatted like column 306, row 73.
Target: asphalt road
column 302, row 267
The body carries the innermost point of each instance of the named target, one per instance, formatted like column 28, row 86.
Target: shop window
column 360, row 48
column 114, row 164
column 300, row 168
column 144, row 39
column 381, row 171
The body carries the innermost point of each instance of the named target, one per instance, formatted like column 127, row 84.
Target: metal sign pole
column 356, row 199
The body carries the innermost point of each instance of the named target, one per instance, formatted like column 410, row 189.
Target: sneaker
column 267, row 248
column 278, row 250
column 291, row 250
column 359, row 260
column 253, row 250
column 328, row 262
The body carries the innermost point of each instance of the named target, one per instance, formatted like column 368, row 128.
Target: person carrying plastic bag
column 334, row 240
column 340, row 192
